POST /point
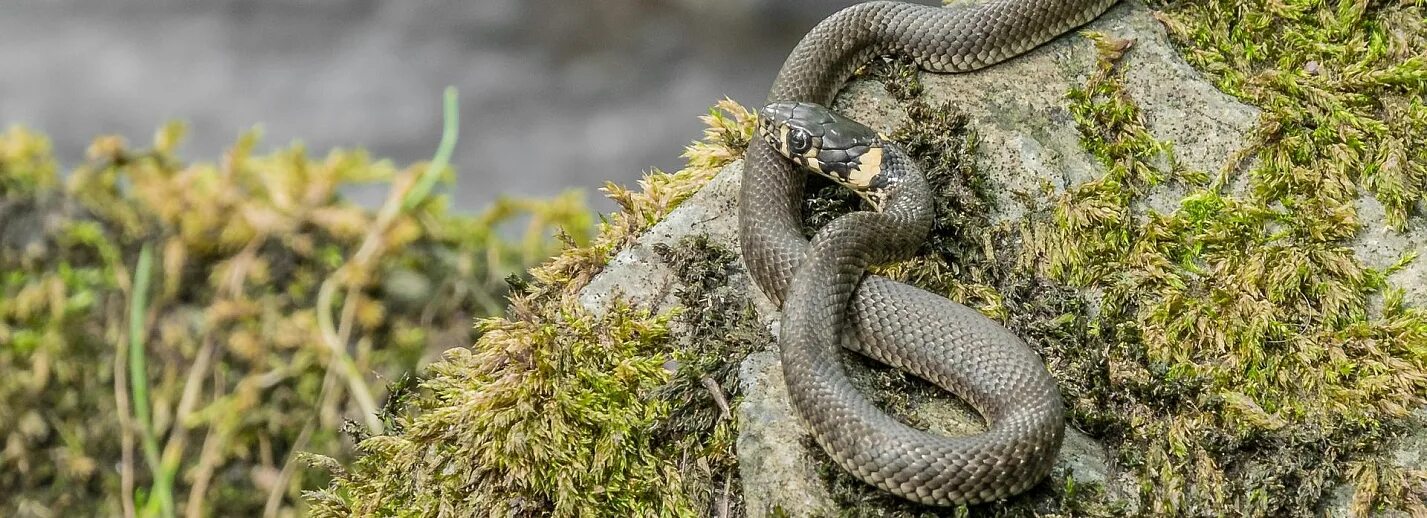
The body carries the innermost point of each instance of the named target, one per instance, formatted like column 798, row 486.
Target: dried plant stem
column 208, row 460
column 336, row 340
column 126, row 432
column 193, row 385
column 400, row 200
column 203, row 474
column 450, row 130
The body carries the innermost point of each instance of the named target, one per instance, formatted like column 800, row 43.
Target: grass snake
column 825, row 295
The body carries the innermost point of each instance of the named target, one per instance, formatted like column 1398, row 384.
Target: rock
column 1026, row 136
column 636, row 274
column 776, row 467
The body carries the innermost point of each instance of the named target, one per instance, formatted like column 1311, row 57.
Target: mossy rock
column 1215, row 256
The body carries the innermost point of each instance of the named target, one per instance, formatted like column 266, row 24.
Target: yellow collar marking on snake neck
column 868, row 166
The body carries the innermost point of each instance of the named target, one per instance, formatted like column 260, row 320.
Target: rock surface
column 1026, row 135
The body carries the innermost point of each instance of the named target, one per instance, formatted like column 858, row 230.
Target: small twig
column 723, row 500
column 208, row 459
column 717, row 392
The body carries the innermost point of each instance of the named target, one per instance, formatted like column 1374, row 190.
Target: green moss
column 558, row 411
column 1342, row 85
column 237, row 367
column 718, row 329
column 1242, row 369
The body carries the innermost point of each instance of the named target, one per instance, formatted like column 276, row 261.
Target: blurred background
column 231, row 357
column 554, row 93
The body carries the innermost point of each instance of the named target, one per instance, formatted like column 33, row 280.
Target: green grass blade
column 162, row 492
column 451, row 129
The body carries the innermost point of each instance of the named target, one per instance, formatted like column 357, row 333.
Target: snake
column 829, row 301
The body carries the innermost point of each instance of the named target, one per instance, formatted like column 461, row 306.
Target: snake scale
column 826, row 297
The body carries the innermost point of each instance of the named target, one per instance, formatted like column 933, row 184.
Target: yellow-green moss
column 552, row 418
column 26, row 162
column 1249, row 367
column 239, row 375
column 1342, row 84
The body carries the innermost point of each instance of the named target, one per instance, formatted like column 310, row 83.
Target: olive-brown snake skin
column 833, row 302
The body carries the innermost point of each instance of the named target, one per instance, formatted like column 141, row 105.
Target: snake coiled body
column 827, row 299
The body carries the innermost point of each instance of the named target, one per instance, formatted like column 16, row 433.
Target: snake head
column 834, row 146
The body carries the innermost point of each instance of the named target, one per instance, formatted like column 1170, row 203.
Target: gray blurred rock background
column 554, row 93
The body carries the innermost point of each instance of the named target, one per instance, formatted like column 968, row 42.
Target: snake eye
column 799, row 141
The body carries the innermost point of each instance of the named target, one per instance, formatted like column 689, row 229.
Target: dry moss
column 238, row 372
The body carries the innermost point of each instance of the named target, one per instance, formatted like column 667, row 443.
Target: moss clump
column 27, row 164
column 547, row 415
column 559, row 411
column 239, row 370
column 1244, row 370
column 718, row 328
column 1342, row 85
